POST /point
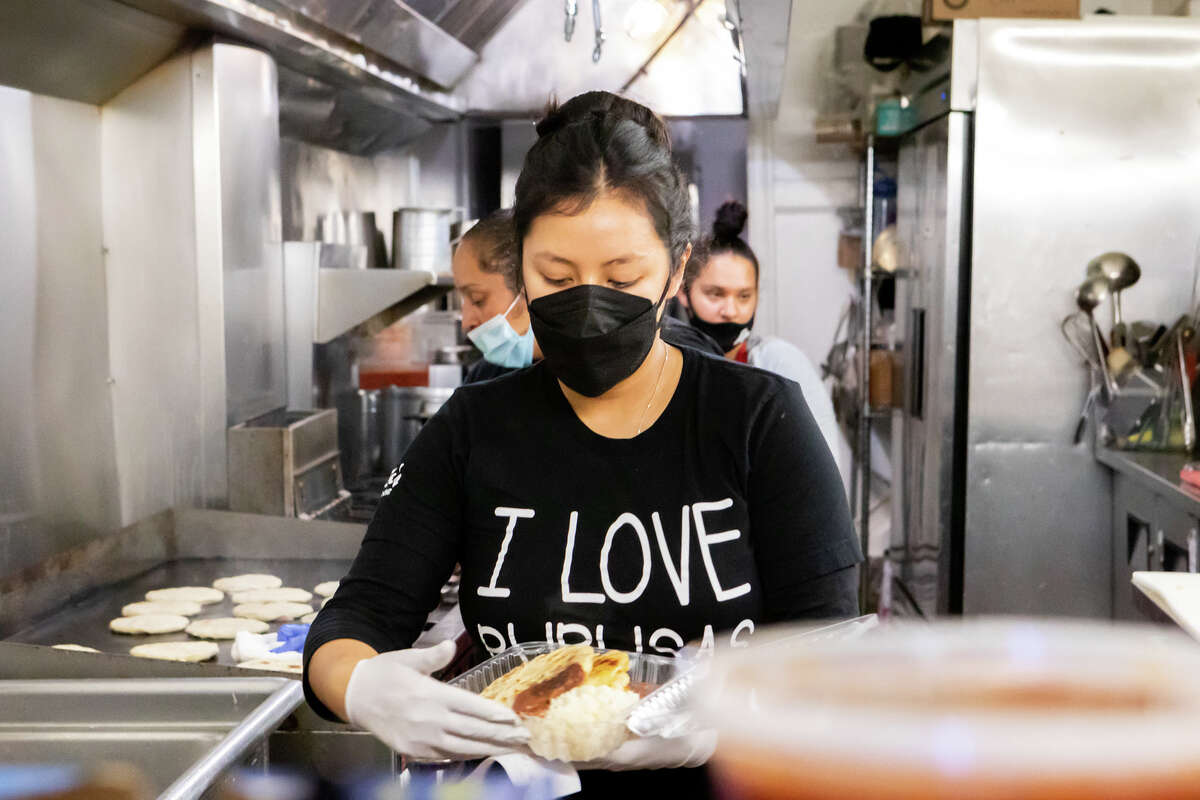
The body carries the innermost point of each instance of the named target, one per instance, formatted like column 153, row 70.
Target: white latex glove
column 393, row 697
column 655, row 752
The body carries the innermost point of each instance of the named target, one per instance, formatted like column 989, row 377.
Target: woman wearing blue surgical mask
column 621, row 492
column 494, row 316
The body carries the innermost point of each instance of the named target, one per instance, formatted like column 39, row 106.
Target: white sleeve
column 784, row 358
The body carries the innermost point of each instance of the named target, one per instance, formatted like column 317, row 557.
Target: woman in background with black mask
column 621, row 491
column 720, row 295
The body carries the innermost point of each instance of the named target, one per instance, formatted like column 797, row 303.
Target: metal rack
column 862, row 445
column 876, row 149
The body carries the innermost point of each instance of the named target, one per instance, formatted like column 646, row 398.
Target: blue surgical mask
column 501, row 344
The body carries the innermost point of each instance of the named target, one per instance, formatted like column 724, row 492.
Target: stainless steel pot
column 454, row 354
column 404, row 409
column 421, row 237
column 358, row 434
column 354, row 228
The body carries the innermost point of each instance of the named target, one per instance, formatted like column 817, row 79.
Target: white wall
column 795, row 189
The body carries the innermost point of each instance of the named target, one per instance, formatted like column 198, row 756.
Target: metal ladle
column 1189, row 419
column 1092, row 293
column 1121, row 272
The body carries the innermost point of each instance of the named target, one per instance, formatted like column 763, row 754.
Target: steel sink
column 182, row 733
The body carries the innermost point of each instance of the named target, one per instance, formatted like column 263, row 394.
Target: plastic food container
column 646, row 673
column 997, row 709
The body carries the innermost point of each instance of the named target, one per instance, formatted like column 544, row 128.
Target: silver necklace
column 661, row 368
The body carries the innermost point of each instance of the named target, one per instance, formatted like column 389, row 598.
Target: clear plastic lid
column 982, row 708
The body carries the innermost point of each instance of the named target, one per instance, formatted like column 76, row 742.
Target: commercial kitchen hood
column 364, row 76
column 90, row 50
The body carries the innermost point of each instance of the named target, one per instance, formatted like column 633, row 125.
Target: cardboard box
column 946, row 10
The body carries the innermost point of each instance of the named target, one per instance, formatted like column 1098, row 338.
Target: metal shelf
column 862, row 476
column 883, row 273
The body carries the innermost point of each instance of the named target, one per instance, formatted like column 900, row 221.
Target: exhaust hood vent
column 472, row 22
column 342, row 119
column 394, row 31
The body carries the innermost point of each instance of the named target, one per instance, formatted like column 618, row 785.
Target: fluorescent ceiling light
column 644, row 19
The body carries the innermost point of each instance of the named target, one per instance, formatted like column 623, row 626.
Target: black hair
column 495, row 244
column 726, row 238
column 597, row 142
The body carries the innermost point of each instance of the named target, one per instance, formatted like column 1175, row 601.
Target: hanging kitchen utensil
column 1078, row 332
column 1090, row 294
column 1161, row 346
column 1189, row 420
column 1121, row 272
column 1141, row 334
column 1195, row 321
column 599, row 32
column 1088, row 402
column 571, row 9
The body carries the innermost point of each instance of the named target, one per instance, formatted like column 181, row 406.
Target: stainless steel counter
column 78, row 578
column 1155, row 472
column 1155, row 524
column 75, row 594
column 182, row 735
column 71, row 599
column 86, row 621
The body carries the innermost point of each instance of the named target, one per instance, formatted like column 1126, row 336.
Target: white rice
column 583, row 724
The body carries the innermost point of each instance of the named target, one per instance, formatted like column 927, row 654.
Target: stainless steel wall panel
column 1087, row 139
column 18, row 290
column 316, row 180
column 237, row 132
column 78, row 490
column 300, row 265
column 58, row 477
column 166, row 344
column 207, row 243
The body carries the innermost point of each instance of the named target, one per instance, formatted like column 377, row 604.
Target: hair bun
column 730, row 221
column 602, row 106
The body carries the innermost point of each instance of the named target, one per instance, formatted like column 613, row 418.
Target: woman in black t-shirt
column 621, row 492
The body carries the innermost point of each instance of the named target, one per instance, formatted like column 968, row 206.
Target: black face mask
column 593, row 337
column 725, row 334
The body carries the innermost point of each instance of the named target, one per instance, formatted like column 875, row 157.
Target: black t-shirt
column 705, row 526
column 484, row 370
column 726, row 514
